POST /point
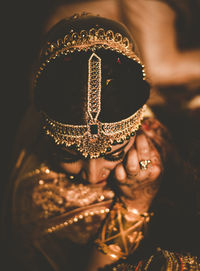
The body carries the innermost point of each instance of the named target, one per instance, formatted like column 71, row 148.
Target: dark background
column 21, row 29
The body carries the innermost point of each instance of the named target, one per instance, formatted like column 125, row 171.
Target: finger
column 156, row 162
column 132, row 163
column 143, row 148
column 155, row 157
column 144, row 157
column 143, row 151
column 144, row 175
column 149, row 174
column 120, row 173
column 153, row 170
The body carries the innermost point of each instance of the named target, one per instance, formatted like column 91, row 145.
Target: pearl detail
column 76, row 219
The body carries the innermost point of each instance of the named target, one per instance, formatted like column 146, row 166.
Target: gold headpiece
column 94, row 138
column 87, row 40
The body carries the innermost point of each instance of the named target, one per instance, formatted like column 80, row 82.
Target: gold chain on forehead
column 95, row 138
column 94, row 87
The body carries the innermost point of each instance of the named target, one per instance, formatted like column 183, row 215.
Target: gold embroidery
column 58, row 195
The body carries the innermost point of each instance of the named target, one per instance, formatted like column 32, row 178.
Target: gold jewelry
column 87, row 40
column 122, row 232
column 171, row 261
column 144, row 164
column 76, row 219
column 42, row 170
column 94, row 138
column 190, row 262
column 59, row 194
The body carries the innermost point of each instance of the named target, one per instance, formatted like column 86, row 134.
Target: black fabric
column 62, row 88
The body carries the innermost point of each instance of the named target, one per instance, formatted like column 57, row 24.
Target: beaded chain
column 76, row 219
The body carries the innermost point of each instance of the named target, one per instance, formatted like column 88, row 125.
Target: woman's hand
column 139, row 175
column 138, row 179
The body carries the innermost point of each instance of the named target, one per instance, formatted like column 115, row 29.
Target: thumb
column 120, row 173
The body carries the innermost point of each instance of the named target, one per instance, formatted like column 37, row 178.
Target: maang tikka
column 94, row 138
column 94, row 94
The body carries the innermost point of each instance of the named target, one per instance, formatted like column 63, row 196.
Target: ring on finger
column 144, row 164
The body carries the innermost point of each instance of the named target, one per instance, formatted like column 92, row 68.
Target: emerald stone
column 94, row 129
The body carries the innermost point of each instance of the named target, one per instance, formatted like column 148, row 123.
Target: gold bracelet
column 122, row 231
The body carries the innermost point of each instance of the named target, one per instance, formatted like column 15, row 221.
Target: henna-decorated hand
column 138, row 184
column 138, row 178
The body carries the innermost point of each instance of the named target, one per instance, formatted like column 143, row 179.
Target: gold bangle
column 122, row 231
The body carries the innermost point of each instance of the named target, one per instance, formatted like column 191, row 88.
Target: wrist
column 135, row 204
